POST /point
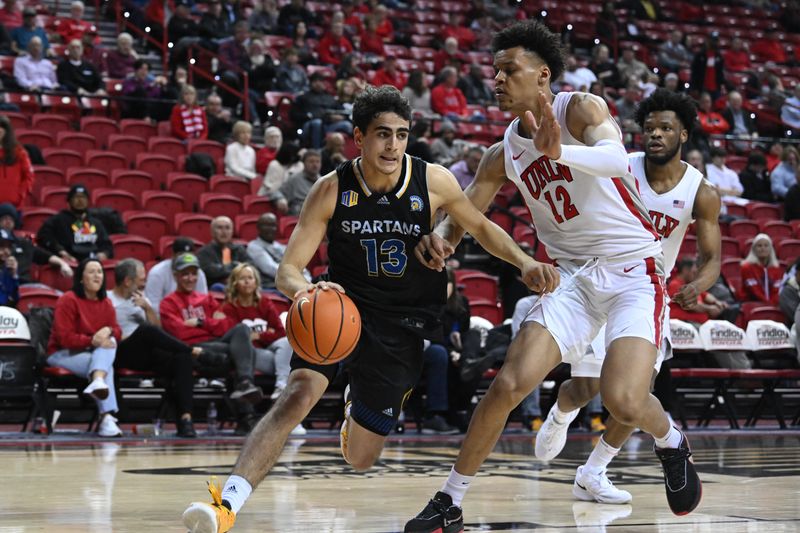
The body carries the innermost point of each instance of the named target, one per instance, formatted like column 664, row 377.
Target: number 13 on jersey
column 390, row 257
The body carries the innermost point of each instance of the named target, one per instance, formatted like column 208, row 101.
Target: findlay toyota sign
column 768, row 335
column 13, row 325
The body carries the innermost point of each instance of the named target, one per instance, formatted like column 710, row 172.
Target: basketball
column 323, row 328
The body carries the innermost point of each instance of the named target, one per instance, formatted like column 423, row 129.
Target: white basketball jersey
column 577, row 215
column 671, row 211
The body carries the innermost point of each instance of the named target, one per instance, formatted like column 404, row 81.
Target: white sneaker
column 97, row 389
column 552, row 436
column 298, row 431
column 109, row 427
column 276, row 393
column 590, row 486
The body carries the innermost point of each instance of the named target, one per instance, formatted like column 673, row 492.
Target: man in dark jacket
column 73, row 234
column 755, row 180
column 317, row 112
column 214, row 25
column 475, row 91
column 708, row 68
column 219, row 257
column 77, row 75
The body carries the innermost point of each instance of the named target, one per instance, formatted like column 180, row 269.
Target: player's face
column 663, row 136
column 384, row 143
column 519, row 77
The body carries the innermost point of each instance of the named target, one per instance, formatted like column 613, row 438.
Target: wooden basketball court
column 68, row 484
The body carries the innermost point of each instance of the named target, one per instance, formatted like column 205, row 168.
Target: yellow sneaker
column 201, row 517
column 536, row 424
column 597, row 424
column 343, row 430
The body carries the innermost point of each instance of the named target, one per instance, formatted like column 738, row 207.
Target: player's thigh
column 531, row 356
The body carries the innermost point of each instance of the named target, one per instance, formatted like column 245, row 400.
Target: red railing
column 207, row 65
column 124, row 23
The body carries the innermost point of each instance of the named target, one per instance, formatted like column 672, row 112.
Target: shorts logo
column 349, row 198
column 416, row 203
column 388, row 412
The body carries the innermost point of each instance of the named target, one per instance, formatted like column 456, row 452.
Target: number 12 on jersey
column 390, row 256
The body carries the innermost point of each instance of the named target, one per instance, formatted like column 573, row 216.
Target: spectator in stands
column 789, row 299
column 215, row 26
column 739, row 119
column 790, row 110
column 298, row 185
column 630, row 68
column 188, row 120
column 419, row 144
column 580, row 78
column 385, row 27
column 300, row 42
column 696, row 159
column 448, row 56
column 197, row 320
column 417, row 92
column 454, row 28
column 245, row 304
column 286, row 162
column 333, row 153
column 475, row 91
column 446, row 98
column 266, row 253
column 262, row 69
column 607, row 24
column 755, row 179
column 144, row 346
column 77, row 75
column 84, row 340
column 465, row 170
column 219, row 119
column 774, row 155
column 73, row 234
column 349, row 70
column 264, row 18
column 21, row 36
column 291, row 76
column 75, row 26
column 334, row 45
column 604, row 68
column 9, row 270
column 25, row 251
column 725, row 179
column 672, row 55
column 234, row 51
column 292, row 14
column 769, row 48
column 708, row 68
column 761, row 273
column 161, row 282
column 784, row 176
column 708, row 307
column 369, row 42
column 389, row 74
column 182, row 29
column 240, row 157
column 318, row 112
column 445, row 149
column 120, row 60
column 626, row 108
column 141, row 87
column 17, row 172
column 11, row 15
column 599, row 89
column 737, row 58
column 712, row 122
column 672, row 82
column 791, row 202
column 273, row 139
column 220, row 256
column 33, row 72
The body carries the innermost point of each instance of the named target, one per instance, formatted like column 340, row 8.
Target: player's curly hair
column 535, row 37
column 665, row 100
column 376, row 100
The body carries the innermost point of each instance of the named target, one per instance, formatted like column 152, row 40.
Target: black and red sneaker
column 439, row 516
column 684, row 489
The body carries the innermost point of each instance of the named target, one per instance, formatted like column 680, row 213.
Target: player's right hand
column 546, row 133
column 432, row 251
column 540, row 277
column 322, row 285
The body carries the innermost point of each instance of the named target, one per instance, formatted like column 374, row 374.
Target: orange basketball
column 324, row 327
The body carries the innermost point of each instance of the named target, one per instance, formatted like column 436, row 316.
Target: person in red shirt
column 197, row 320
column 761, row 272
column 16, row 171
column 389, row 75
column 84, row 340
column 384, row 28
column 334, row 45
column 75, row 26
column 707, row 306
column 769, row 48
column 188, row 118
column 446, row 98
column 449, row 56
column 710, row 121
column 737, row 58
column 369, row 40
column 11, row 14
column 273, row 139
column 464, row 36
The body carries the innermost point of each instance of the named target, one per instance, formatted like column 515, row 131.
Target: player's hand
column 540, row 277
column 432, row 251
column 322, row 285
column 547, row 133
column 686, row 297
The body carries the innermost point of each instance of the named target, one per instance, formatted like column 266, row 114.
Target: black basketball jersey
column 371, row 246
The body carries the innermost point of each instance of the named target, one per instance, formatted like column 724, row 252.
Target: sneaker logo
column 383, row 200
column 580, row 486
column 388, row 412
column 232, row 488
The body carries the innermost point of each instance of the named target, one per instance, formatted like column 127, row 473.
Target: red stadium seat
column 108, row 272
column 193, row 225
column 237, row 187
column 766, row 313
column 743, row 229
column 42, row 139
column 100, row 107
column 19, row 121
column 133, row 246
column 788, row 250
column 216, row 204
column 50, row 123
column 28, row 103
column 731, row 267
column 145, row 224
column 477, row 285
column 133, row 181
column 286, row 226
column 190, row 186
column 156, row 164
column 38, row 297
column 736, row 210
column 796, row 227
column 212, row 148
column 62, row 159
column 138, row 128
column 762, row 211
column 54, row 197
column 100, row 128
column 51, row 276
column 128, row 145
column 46, row 175
column 488, row 309
column 62, row 105
column 122, row 201
column 730, row 247
column 257, row 205
column 105, row 160
column 34, row 217
column 246, row 227
column 777, row 230
column 168, row 146
column 525, row 234
column 72, row 140
column 280, row 302
column 93, row 179
column 164, row 203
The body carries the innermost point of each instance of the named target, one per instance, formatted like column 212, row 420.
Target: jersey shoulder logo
column 416, row 203
column 349, row 198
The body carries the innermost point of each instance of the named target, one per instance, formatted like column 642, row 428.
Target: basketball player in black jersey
column 374, row 211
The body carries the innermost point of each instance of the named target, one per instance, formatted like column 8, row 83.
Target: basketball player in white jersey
column 676, row 194
column 565, row 155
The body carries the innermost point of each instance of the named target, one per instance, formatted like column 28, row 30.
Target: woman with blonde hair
column 240, row 157
column 188, row 118
column 761, row 272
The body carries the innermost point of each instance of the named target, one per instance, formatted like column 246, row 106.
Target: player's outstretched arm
column 709, row 244
column 309, row 232
column 489, row 177
column 445, row 193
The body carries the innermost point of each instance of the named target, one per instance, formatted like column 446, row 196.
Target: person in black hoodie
column 755, row 179
column 77, row 75
column 73, row 234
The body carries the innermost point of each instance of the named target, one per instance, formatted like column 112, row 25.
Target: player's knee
column 624, row 405
column 298, row 395
column 584, row 389
column 511, row 388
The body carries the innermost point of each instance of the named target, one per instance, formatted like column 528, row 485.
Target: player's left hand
column 432, row 251
column 686, row 297
column 540, row 277
column 546, row 134
column 322, row 285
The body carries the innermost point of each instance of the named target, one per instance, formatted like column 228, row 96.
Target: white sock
column 560, row 416
column 671, row 440
column 456, row 486
column 601, row 456
column 236, row 491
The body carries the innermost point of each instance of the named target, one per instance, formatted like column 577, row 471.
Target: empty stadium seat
column 190, row 186
column 168, row 146
column 778, row 230
column 743, row 229
column 257, row 205
column 34, row 217
column 62, row 159
column 286, row 226
column 93, row 179
column 488, row 309
column 212, row 148
column 133, row 181
column 51, row 276
column 164, row 203
column 128, row 145
column 246, row 227
column 62, row 104
column 731, row 267
column 116, row 199
column 135, row 246
column 54, row 197
column 100, row 128
column 38, row 297
column 42, row 139
column 766, row 313
column 730, row 247
column 19, row 121
column 46, row 175
column 525, row 234
column 28, row 103
column 477, row 285
column 146, row 224
column 50, row 122
column 105, row 160
column 138, row 128
column 73, row 140
column 217, row 204
column 156, row 164
column 788, row 250
column 762, row 211
column 193, row 225
column 229, row 185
